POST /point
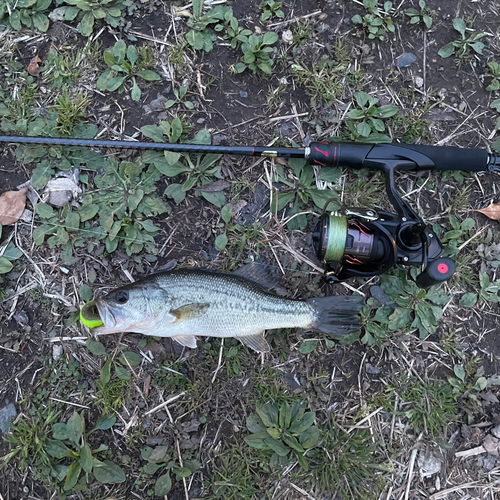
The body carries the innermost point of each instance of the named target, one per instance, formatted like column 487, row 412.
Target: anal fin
column 256, row 341
column 186, row 340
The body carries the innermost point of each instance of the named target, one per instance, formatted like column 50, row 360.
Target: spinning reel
column 359, row 243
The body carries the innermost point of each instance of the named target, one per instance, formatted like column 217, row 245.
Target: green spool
column 337, row 234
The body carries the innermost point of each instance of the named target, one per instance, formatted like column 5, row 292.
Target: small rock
column 405, row 60
column 62, row 189
column 444, row 91
column 347, row 20
column 200, row 120
column 58, row 14
column 429, row 464
column 489, row 462
column 6, row 415
column 287, row 36
column 21, row 318
column 218, row 139
column 371, row 370
column 243, row 94
column 496, row 431
column 57, row 351
column 419, row 82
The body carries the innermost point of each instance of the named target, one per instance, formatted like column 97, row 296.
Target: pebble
column 243, row 94
column 444, row 91
column 371, row 370
column 6, row 415
column 496, row 431
column 57, row 351
column 405, row 60
column 419, row 82
column 200, row 120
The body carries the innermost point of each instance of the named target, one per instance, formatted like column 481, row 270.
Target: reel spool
column 365, row 243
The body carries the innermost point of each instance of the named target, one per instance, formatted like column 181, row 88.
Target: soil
column 41, row 293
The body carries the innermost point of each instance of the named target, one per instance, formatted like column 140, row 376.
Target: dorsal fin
column 260, row 273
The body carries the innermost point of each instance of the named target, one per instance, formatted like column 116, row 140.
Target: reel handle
column 436, row 272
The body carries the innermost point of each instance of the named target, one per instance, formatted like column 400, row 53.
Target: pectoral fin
column 257, row 342
column 189, row 311
column 186, row 340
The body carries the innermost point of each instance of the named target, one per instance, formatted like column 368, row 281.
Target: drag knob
column 436, row 272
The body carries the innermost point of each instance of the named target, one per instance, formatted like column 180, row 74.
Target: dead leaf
column 493, row 211
column 12, row 204
column 33, row 66
column 492, row 445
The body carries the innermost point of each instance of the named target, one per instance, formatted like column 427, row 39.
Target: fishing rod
column 356, row 242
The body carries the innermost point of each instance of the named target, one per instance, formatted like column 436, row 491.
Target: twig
column 182, row 465
column 470, row 453
column 410, row 472
column 220, row 360
column 165, row 403
column 295, row 19
column 69, row 403
column 361, row 422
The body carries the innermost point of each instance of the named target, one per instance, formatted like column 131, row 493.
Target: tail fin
column 337, row 315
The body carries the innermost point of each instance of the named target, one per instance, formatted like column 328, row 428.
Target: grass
column 112, row 395
column 347, row 465
column 427, row 407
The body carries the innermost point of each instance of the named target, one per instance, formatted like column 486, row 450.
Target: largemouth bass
column 187, row 303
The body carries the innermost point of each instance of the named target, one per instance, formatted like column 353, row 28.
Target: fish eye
column 121, row 297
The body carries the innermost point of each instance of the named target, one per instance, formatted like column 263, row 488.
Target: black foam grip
column 451, row 158
column 436, row 272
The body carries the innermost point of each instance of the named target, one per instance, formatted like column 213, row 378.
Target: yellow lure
column 89, row 315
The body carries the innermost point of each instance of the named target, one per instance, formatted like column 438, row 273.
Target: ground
column 407, row 408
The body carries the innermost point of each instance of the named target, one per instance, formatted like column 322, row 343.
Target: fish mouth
column 108, row 323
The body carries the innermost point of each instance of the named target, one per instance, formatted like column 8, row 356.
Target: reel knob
column 436, row 272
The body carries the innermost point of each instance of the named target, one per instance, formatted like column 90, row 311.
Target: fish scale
column 188, row 303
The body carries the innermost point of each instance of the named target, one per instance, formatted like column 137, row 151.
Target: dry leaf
column 12, row 205
column 493, row 211
column 33, row 66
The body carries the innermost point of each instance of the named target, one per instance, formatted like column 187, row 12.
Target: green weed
column 162, row 459
column 256, row 50
column 494, row 74
column 377, row 22
column 15, row 14
column 70, row 112
column 271, row 8
column 365, row 123
column 125, row 63
column 424, row 16
column 60, row 66
column 28, row 439
column 88, row 11
column 179, row 96
column 8, row 254
column 302, row 190
column 417, row 309
column 286, row 433
column 488, row 292
column 462, row 47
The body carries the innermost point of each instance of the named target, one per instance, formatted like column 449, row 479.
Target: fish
column 188, row 303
